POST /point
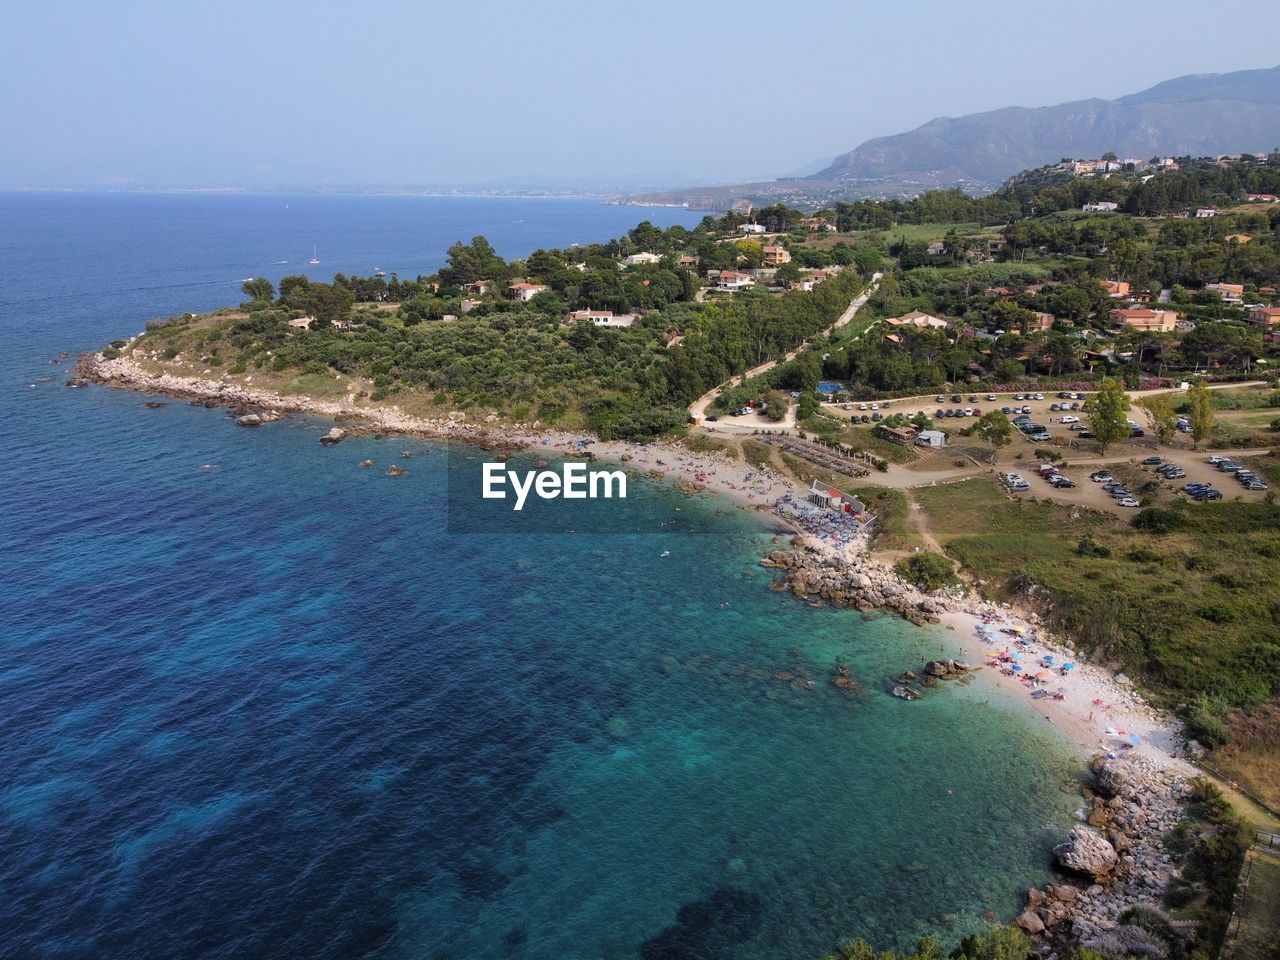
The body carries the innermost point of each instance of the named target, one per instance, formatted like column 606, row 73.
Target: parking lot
column 1142, row 481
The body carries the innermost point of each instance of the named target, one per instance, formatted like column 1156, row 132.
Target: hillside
column 1197, row 115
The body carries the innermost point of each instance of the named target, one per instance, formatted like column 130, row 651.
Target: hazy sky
column 319, row 93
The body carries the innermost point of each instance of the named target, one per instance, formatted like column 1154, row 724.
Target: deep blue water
column 257, row 702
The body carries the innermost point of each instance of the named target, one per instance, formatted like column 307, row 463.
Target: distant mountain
column 1197, row 115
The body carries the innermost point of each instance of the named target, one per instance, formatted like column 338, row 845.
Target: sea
column 259, row 701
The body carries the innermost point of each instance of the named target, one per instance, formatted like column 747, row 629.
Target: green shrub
column 929, row 571
column 236, row 368
column 1201, row 563
column 1088, row 547
column 1158, row 520
column 1217, row 612
column 1143, row 555
column 110, row 353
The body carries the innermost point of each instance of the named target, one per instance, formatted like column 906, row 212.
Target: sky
column 320, row 94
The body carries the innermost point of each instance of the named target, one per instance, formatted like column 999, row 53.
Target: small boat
column 379, row 272
column 315, row 258
column 665, row 553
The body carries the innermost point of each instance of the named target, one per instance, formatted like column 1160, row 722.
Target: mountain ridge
column 1191, row 115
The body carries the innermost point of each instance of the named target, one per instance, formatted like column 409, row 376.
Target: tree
column 1160, row 417
column 1108, row 413
column 994, row 429
column 259, row 289
column 775, row 406
column 1202, row 415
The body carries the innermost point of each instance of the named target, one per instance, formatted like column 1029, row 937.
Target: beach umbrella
column 1016, row 656
column 1016, row 667
column 1068, row 666
column 1062, row 690
column 1135, row 739
column 1048, row 658
column 1042, row 675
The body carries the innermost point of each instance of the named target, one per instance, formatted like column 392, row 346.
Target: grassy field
column 860, row 438
column 1258, row 936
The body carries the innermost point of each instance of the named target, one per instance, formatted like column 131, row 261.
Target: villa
column 524, row 292
column 732, row 280
column 1160, row 321
column 602, row 318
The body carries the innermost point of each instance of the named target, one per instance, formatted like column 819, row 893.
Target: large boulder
column 1118, row 780
column 335, row 435
column 1087, row 852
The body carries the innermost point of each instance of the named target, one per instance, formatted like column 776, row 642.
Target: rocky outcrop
column 335, row 435
column 855, row 580
column 1123, row 861
column 250, row 420
column 1085, row 851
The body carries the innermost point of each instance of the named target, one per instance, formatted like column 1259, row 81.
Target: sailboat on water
column 315, row 259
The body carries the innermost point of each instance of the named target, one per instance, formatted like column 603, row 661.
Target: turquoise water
column 259, row 702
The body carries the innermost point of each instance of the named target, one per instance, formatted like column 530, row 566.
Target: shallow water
column 259, row 702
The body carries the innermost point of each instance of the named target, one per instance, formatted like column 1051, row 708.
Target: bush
column 1201, row 563
column 1143, row 555
column 1206, row 721
column 1088, row 547
column 929, row 571
column 1217, row 612
column 1158, row 520
column 110, row 353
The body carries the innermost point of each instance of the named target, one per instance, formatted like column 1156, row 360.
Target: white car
column 1070, row 419
column 862, row 406
column 1127, row 502
column 968, row 411
column 875, row 406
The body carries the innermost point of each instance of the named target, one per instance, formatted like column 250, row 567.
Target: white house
column 1205, row 212
column 734, row 280
column 642, row 257
column 752, row 228
column 524, row 292
column 602, row 318
column 1102, row 206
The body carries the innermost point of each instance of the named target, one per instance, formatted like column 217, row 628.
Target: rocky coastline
column 852, row 578
column 1115, row 861
column 1111, row 862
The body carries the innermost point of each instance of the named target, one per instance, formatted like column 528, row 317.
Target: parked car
column 1152, row 461
column 1069, row 419
column 877, row 416
column 1256, row 485
column 956, row 398
column 939, row 399
column 1086, row 434
column 712, row 419
column 1005, row 410
column 1128, row 502
column 1062, row 482
column 1041, row 437
column 939, row 414
column 1026, row 409
column 1075, row 406
column 1215, row 459
column 1204, row 495
column 1177, row 474
column 865, row 418
column 991, row 398
column 1100, row 476
column 1018, row 396
column 1226, row 466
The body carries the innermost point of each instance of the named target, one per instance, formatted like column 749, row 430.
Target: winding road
column 698, row 408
